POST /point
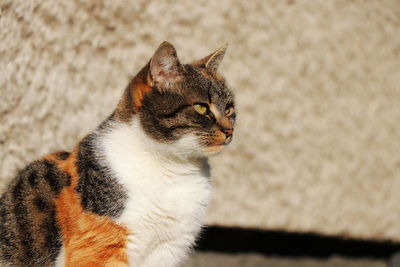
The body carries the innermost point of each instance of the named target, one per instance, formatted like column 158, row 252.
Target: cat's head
column 188, row 106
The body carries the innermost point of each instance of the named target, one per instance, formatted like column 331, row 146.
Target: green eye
column 202, row 109
column 229, row 111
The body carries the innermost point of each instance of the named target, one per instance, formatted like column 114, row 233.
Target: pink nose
column 228, row 132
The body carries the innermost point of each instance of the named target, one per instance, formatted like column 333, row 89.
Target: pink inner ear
column 165, row 71
column 161, row 76
column 162, row 69
column 164, row 66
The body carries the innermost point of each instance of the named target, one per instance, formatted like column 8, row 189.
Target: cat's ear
column 213, row 60
column 164, row 67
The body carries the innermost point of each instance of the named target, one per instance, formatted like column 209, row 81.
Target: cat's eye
column 229, row 111
column 200, row 108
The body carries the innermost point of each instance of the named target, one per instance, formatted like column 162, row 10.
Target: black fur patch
column 100, row 192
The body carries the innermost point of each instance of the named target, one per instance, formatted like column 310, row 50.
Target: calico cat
column 134, row 192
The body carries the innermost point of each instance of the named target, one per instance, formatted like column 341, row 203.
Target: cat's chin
column 217, row 147
column 214, row 149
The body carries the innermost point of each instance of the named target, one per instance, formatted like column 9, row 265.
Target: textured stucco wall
column 318, row 90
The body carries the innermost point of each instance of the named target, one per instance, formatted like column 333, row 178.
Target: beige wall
column 317, row 146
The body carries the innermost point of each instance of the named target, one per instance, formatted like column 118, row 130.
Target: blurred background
column 313, row 175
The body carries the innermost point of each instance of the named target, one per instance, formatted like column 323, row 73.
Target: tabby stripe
column 63, row 155
column 50, row 228
column 3, row 236
column 208, row 93
column 33, row 179
column 40, row 204
column 176, row 111
column 176, row 127
column 20, row 211
column 51, row 177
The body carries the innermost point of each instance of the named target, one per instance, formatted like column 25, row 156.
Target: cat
column 134, row 192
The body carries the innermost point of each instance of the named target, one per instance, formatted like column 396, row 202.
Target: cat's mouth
column 218, row 145
column 219, row 142
column 227, row 141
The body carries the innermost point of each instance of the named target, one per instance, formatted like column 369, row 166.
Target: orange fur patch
column 89, row 239
column 225, row 123
column 52, row 157
column 132, row 99
column 139, row 90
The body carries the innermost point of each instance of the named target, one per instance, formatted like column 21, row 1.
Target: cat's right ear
column 165, row 67
column 213, row 60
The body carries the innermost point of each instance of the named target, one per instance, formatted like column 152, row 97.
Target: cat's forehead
column 207, row 85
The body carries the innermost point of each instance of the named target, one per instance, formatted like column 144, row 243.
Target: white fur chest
column 167, row 196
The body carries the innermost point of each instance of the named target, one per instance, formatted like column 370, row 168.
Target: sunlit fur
column 133, row 192
column 168, row 192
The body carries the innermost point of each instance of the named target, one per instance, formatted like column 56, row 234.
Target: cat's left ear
column 213, row 60
column 165, row 67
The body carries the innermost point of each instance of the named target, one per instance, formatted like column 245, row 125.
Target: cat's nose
column 228, row 132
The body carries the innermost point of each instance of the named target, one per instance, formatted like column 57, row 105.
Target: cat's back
column 28, row 227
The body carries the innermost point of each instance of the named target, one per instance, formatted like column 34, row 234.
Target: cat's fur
column 134, row 192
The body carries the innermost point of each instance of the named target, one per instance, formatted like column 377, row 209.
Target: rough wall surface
column 318, row 90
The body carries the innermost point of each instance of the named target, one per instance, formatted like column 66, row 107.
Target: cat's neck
column 118, row 141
